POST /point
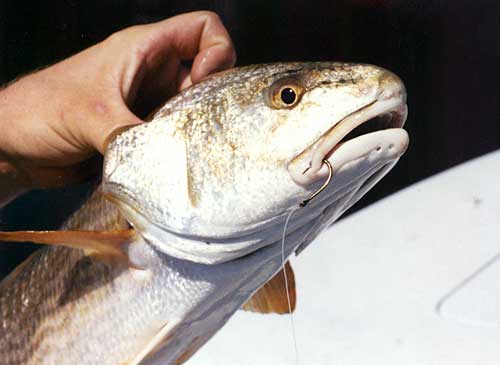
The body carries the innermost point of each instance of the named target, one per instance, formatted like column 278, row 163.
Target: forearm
column 13, row 181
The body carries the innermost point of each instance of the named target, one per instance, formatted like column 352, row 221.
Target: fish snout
column 391, row 87
column 376, row 127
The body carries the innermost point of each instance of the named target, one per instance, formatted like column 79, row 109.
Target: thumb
column 108, row 124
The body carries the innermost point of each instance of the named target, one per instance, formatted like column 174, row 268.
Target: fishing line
column 301, row 205
column 292, row 324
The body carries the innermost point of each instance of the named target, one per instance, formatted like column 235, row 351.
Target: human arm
column 52, row 121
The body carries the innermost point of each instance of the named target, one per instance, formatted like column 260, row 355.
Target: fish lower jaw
column 376, row 127
column 196, row 249
column 382, row 146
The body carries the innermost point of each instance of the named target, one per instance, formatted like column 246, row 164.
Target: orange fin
column 272, row 298
column 104, row 245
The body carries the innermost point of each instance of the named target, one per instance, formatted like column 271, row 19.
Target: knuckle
column 230, row 52
column 211, row 16
column 117, row 37
column 124, row 36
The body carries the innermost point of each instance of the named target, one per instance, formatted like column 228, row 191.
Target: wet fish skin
column 211, row 166
column 87, row 312
column 232, row 148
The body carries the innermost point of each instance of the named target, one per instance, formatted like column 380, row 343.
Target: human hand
column 54, row 120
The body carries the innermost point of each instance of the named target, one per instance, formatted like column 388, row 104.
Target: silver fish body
column 207, row 184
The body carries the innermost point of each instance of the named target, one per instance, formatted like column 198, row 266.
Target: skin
column 52, row 122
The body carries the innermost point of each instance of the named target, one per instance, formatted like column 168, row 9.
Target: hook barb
column 323, row 187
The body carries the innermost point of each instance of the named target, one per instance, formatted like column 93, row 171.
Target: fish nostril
column 379, row 149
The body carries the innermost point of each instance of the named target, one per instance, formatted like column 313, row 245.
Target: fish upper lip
column 390, row 103
column 335, row 135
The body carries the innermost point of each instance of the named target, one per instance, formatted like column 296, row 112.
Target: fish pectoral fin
column 155, row 343
column 156, row 349
column 272, row 297
column 103, row 245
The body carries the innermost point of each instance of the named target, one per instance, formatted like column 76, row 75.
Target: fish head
column 219, row 166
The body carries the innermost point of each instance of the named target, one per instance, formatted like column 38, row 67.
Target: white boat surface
column 412, row 279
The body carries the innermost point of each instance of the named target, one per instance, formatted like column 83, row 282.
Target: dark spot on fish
column 85, row 276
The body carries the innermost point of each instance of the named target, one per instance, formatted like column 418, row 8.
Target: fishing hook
column 323, row 187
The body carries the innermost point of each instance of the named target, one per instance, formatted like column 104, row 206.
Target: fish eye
column 286, row 96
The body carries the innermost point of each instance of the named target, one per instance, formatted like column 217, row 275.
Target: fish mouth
column 363, row 131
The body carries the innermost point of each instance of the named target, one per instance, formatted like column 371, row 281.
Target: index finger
column 200, row 36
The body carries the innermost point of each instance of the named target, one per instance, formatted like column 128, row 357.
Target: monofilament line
column 292, row 324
